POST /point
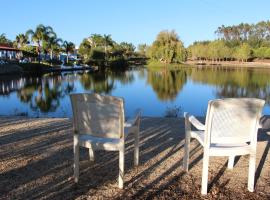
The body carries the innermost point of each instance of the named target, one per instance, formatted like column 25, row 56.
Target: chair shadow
column 54, row 140
column 51, row 174
column 263, row 136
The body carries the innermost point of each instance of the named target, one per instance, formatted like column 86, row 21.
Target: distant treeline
column 102, row 50
column 41, row 40
column 241, row 42
column 42, row 44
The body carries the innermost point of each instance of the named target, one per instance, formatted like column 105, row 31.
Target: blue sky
column 136, row 21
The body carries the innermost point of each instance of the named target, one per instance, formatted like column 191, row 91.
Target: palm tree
column 107, row 42
column 4, row 40
column 68, row 47
column 40, row 35
column 53, row 44
column 95, row 40
column 21, row 40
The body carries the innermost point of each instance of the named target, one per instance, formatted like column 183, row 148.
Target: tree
column 40, row 35
column 21, row 40
column 168, row 48
column 260, row 52
column 4, row 40
column 96, row 40
column 68, row 48
column 127, row 48
column 199, row 50
column 243, row 53
column 142, row 48
column 85, row 49
column 107, row 41
column 53, row 44
column 253, row 34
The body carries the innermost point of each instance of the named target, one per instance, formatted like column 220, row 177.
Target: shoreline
column 235, row 64
column 17, row 69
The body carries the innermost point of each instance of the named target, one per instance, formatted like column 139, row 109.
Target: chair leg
column 76, row 158
column 231, row 162
column 121, row 166
column 136, row 147
column 91, row 154
column 205, row 173
column 187, row 148
column 251, row 172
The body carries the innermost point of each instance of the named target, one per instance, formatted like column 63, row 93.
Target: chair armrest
column 135, row 121
column 194, row 121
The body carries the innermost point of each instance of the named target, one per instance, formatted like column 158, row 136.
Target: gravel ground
column 36, row 159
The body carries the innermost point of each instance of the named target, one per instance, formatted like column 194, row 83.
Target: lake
column 157, row 92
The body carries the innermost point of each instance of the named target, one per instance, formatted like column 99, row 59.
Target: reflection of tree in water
column 48, row 97
column 44, row 94
column 167, row 83
column 235, row 91
column 98, row 82
column 125, row 77
column 69, row 86
column 142, row 73
column 26, row 93
column 236, row 83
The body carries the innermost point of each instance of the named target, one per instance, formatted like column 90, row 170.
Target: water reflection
column 167, row 83
column 236, row 83
column 97, row 82
column 43, row 94
column 48, row 94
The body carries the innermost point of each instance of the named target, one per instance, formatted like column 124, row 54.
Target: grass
column 157, row 65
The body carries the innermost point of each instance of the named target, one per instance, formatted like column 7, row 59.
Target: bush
column 117, row 62
column 34, row 67
column 262, row 52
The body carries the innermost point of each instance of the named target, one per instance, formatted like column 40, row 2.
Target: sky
column 136, row 21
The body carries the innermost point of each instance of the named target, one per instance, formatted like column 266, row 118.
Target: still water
column 154, row 91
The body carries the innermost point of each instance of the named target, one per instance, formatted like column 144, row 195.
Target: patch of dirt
column 36, row 162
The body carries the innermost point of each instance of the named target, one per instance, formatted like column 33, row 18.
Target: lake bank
column 37, row 162
column 253, row 64
column 37, row 68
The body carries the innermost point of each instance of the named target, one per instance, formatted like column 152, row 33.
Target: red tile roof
column 5, row 47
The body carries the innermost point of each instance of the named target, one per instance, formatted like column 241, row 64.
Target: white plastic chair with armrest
column 230, row 129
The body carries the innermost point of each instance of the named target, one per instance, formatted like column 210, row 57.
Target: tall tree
column 85, row 49
column 243, row 53
column 53, row 44
column 21, row 40
column 68, row 48
column 142, row 48
column 5, row 40
column 168, row 48
column 39, row 35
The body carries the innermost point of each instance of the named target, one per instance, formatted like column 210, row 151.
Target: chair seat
column 89, row 141
column 223, row 149
column 93, row 142
column 230, row 149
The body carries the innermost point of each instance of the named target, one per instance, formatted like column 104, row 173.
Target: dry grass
column 36, row 159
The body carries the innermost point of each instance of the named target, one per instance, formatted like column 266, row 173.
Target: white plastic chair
column 98, row 123
column 230, row 129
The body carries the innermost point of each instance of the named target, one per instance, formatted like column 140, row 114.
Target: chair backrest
column 98, row 115
column 233, row 120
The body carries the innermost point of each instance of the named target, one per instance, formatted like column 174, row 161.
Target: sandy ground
column 36, row 159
